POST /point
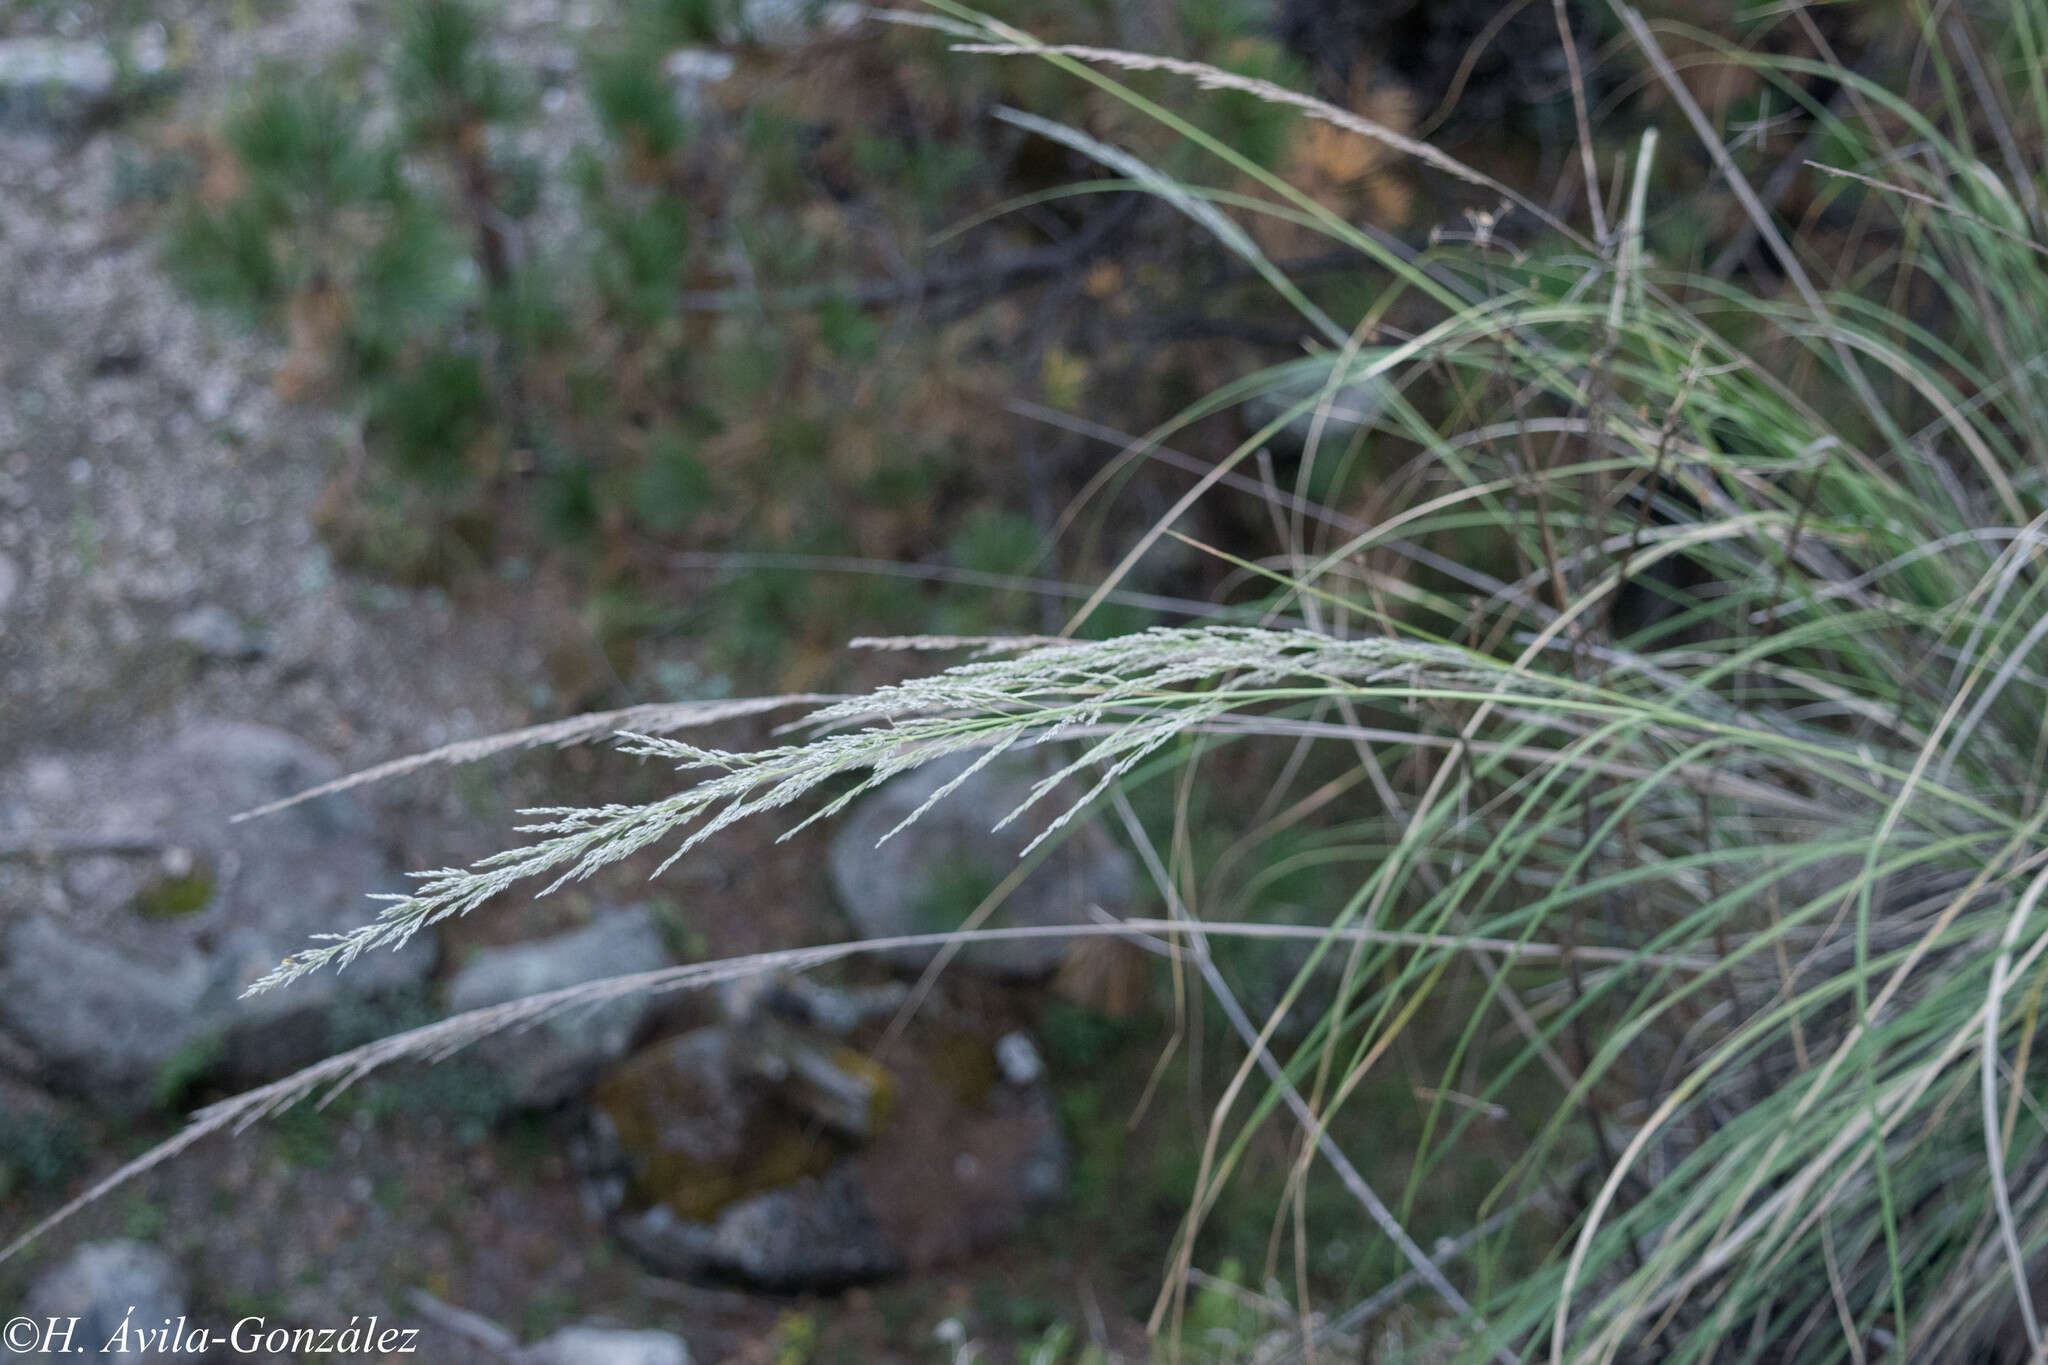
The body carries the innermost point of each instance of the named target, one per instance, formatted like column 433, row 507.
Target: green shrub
column 635, row 102
column 186, row 1069
column 446, row 79
column 639, row 257
column 847, row 331
column 299, row 141
column 407, row 284
column 673, row 487
column 225, row 257
column 528, row 313
column 665, row 24
column 39, row 1151
column 428, row 416
column 569, row 502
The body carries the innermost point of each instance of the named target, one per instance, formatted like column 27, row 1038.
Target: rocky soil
column 176, row 645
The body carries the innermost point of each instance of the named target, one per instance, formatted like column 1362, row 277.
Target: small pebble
column 1017, row 1057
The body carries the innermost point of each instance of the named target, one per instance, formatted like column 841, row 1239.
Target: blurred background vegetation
column 791, row 308
column 789, row 340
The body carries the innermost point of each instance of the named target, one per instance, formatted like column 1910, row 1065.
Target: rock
column 606, row 1346
column 91, row 1008
column 836, row 1010
column 123, row 955
column 57, row 84
column 1353, row 405
column 41, row 1142
column 719, row 1114
column 104, row 1285
column 1017, row 1057
column 17, row 1059
column 932, row 873
column 825, row 1171
column 215, row 633
column 1508, row 68
column 10, row 582
column 815, row 1233
column 52, row 82
column 693, row 71
column 679, row 1115
column 559, row 1057
column 828, row 1084
column 788, row 23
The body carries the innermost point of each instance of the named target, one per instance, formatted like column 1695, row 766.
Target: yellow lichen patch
column 175, row 895
column 696, row 1141
column 698, row 1191
column 878, row 1079
column 966, row 1066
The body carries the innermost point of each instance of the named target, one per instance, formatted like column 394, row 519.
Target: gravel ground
column 147, row 471
column 158, row 563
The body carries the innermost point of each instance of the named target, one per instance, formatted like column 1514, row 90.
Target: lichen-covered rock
column 130, row 930
column 557, row 1058
column 816, row 1232
column 717, row 1115
column 760, row 1154
column 932, row 873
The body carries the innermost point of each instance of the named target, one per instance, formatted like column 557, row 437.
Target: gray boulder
column 787, row 23
column 557, row 1058
column 714, row 1115
column 108, row 1286
column 606, row 1346
column 817, row 1232
column 1353, row 404
column 735, row 1135
column 42, row 1142
column 214, row 632
column 57, row 84
column 129, row 931
column 932, row 873
column 695, row 72
column 52, row 82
